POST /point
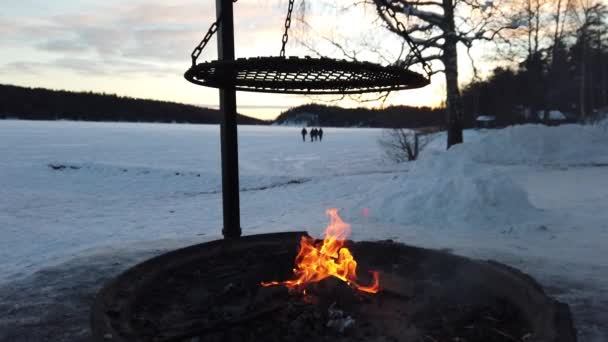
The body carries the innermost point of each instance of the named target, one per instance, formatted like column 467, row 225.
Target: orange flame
column 314, row 263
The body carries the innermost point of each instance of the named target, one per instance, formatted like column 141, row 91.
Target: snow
column 565, row 145
column 132, row 182
column 485, row 118
column 460, row 191
column 603, row 124
column 553, row 115
column 556, row 115
column 531, row 196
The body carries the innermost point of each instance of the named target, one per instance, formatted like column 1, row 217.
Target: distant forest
column 565, row 71
column 333, row 116
column 44, row 104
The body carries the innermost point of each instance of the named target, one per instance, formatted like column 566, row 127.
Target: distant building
column 552, row 117
column 485, row 121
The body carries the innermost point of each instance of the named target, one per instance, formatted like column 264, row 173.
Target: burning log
column 329, row 258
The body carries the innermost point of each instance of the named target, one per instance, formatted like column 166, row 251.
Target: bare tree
column 587, row 15
column 559, row 26
column 538, row 26
column 437, row 27
column 401, row 144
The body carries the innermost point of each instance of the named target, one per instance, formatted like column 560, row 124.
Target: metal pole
column 228, row 130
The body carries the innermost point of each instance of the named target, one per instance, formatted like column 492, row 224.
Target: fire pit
column 214, row 292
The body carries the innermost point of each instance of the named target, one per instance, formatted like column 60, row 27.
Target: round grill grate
column 295, row 75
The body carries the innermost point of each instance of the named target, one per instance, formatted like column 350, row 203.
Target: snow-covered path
column 129, row 191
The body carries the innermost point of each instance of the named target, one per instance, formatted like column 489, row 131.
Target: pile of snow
column 566, row 145
column 562, row 146
column 451, row 190
column 437, row 141
column 469, row 185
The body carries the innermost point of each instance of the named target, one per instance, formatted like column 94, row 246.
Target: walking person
column 313, row 134
column 320, row 134
column 304, row 132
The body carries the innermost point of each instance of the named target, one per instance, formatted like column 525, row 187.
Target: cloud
column 115, row 68
column 30, row 68
column 128, row 35
column 7, row 27
column 62, row 45
column 138, row 39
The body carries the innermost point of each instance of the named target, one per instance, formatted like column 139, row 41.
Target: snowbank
column 469, row 184
column 603, row 124
column 566, row 145
column 451, row 190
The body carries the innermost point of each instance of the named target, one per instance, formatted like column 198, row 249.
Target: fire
column 315, row 263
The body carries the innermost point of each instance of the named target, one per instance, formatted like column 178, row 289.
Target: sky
column 141, row 48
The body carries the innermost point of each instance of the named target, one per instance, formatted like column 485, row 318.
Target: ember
column 317, row 261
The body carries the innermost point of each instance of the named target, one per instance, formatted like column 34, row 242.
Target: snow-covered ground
column 80, row 202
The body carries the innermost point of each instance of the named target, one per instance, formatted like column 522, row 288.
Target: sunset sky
column 142, row 48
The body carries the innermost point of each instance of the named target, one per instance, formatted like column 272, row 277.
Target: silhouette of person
column 304, row 132
column 320, row 134
column 313, row 134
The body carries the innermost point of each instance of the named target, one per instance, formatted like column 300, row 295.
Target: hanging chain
column 197, row 50
column 287, row 25
column 412, row 45
column 212, row 30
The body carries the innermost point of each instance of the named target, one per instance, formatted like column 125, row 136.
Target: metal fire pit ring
column 295, row 75
column 115, row 311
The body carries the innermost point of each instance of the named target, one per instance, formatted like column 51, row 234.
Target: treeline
column 569, row 73
column 333, row 116
column 44, row 104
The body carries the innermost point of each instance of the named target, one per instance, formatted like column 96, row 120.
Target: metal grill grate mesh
column 295, row 75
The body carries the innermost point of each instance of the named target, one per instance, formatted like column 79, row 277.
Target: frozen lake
column 126, row 182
